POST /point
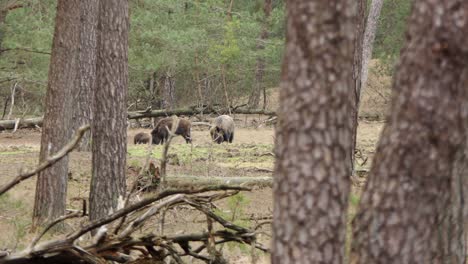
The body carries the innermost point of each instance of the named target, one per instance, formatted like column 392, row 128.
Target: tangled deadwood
column 129, row 245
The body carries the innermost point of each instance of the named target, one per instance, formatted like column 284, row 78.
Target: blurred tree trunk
column 314, row 133
column 259, row 86
column 110, row 116
column 410, row 194
column 369, row 37
column 86, row 77
column 51, row 186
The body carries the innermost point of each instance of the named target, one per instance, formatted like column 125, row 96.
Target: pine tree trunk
column 254, row 98
column 314, row 133
column 168, row 91
column 369, row 37
column 110, row 116
column 359, row 25
column 408, row 195
column 86, row 77
column 51, row 186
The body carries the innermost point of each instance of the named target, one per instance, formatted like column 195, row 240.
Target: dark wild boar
column 142, row 138
column 160, row 133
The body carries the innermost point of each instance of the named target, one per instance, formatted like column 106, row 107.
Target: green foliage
column 236, row 205
column 183, row 39
column 390, row 33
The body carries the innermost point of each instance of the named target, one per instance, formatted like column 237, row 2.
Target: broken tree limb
column 126, row 247
column 37, row 121
column 187, row 181
column 23, row 123
column 197, row 111
column 48, row 162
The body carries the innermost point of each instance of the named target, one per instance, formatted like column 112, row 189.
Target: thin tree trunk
column 5, row 106
column 110, row 116
column 12, row 100
column 225, row 88
column 259, row 86
column 168, row 91
column 197, row 79
column 85, row 80
column 51, row 187
column 313, row 136
column 359, row 24
column 410, row 187
column 229, row 11
column 369, row 37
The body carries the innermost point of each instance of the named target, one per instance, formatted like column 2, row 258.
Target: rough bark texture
column 86, row 77
column 369, row 37
column 110, row 116
column 314, row 134
column 254, row 98
column 405, row 201
column 454, row 241
column 51, row 187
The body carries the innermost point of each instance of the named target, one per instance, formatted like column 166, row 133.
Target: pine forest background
column 199, row 45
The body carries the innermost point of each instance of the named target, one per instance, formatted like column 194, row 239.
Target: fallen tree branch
column 23, row 123
column 26, row 50
column 196, row 111
column 52, row 224
column 37, row 121
column 123, row 247
column 48, row 162
column 152, row 211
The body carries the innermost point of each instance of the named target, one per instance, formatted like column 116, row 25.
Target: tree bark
column 312, row 172
column 359, row 25
column 51, row 187
column 86, row 76
column 254, row 99
column 369, row 37
column 110, row 116
column 406, row 199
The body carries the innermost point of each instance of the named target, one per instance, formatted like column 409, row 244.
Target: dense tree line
column 177, row 48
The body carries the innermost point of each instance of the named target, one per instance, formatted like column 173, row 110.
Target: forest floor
column 249, row 156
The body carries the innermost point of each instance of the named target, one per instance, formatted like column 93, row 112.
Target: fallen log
column 23, row 123
column 37, row 121
column 197, row 111
column 189, row 181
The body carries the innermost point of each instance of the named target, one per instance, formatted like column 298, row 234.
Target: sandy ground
column 19, row 151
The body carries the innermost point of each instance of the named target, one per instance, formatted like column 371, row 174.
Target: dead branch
column 119, row 247
column 152, row 211
column 198, row 111
column 48, row 162
column 37, row 121
column 134, row 187
column 175, row 125
column 26, row 50
column 12, row 100
column 23, row 123
column 52, row 224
